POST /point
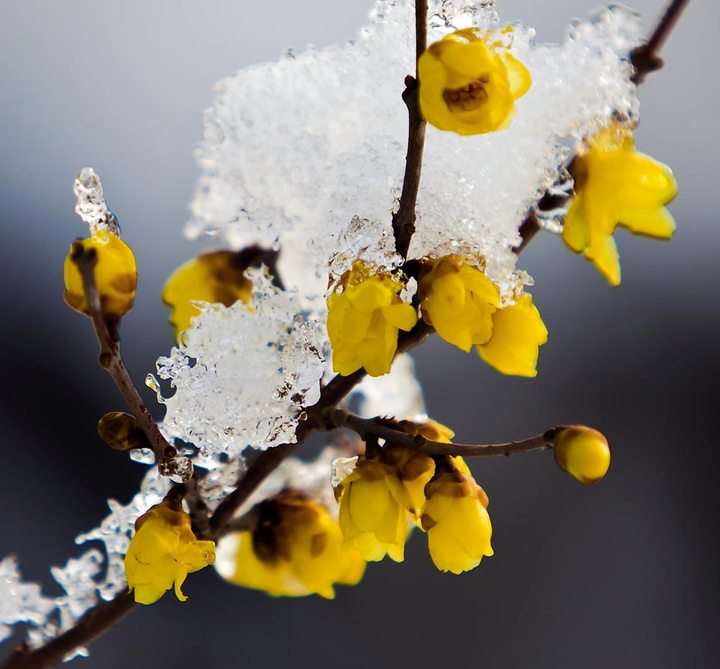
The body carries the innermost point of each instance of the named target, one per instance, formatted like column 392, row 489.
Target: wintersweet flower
column 365, row 313
column 373, row 503
column 164, row 551
column 469, row 82
column 215, row 277
column 583, row 453
column 518, row 333
column 115, row 275
column 456, row 520
column 616, row 185
column 463, row 306
column 295, row 549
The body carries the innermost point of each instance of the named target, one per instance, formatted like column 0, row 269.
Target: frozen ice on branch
column 293, row 151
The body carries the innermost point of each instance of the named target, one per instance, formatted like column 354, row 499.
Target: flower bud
column 583, row 453
column 115, row 275
column 121, row 431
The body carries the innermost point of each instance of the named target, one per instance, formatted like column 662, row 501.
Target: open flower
column 115, row 275
column 456, row 520
column 295, row 549
column 365, row 312
column 216, row 277
column 463, row 306
column 469, row 82
column 373, row 504
column 616, row 185
column 164, row 551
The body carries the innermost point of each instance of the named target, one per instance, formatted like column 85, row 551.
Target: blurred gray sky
column 622, row 575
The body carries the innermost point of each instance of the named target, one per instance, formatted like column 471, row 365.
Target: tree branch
column 646, row 58
column 391, row 431
column 404, row 217
column 110, row 358
column 94, row 623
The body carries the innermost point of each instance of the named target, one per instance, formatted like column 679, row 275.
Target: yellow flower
column 616, row 185
column 115, row 275
column 457, row 523
column 372, row 510
column 518, row 333
column 469, row 82
column 414, row 471
column 463, row 306
column 164, row 550
column 295, row 549
column 583, row 453
column 365, row 312
column 214, row 277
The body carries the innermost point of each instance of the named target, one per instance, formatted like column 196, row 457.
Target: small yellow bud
column 115, row 275
column 583, row 453
column 456, row 520
column 121, row 431
column 164, row 551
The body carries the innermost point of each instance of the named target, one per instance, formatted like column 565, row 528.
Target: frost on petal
column 243, row 373
column 295, row 151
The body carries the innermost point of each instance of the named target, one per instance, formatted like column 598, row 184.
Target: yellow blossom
column 456, row 520
column 463, row 306
column 215, row 277
column 583, row 453
column 365, row 312
column 295, row 549
column 373, row 503
column 518, row 333
column 616, row 185
column 115, row 275
column 414, row 471
column 164, row 551
column 469, row 82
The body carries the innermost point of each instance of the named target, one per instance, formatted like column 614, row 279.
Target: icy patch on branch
column 294, row 151
column 85, row 579
column 244, row 373
column 91, row 206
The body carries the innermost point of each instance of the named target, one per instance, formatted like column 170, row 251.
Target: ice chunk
column 91, row 206
column 296, row 151
column 244, row 373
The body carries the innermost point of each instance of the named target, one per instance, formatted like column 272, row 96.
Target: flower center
column 467, row 98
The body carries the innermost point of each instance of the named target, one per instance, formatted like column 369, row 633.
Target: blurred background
column 623, row 574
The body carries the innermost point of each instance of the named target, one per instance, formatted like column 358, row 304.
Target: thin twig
column 404, row 217
column 95, row 622
column 110, row 358
column 646, row 58
column 391, row 432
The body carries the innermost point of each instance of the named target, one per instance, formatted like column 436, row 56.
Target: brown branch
column 390, row 431
column 404, row 218
column 646, row 58
column 110, row 358
column 96, row 621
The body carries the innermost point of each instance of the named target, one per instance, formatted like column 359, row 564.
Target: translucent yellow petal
column 518, row 332
column 604, row 254
column 658, row 223
column 402, row 316
column 518, row 75
column 576, row 232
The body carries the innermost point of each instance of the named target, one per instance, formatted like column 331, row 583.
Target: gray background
column 623, row 574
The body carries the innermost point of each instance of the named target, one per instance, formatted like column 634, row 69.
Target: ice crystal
column 85, row 579
column 243, row 373
column 20, row 602
column 294, row 151
column 91, row 206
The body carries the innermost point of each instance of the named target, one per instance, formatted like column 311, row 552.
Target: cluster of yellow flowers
column 394, row 488
column 366, row 312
